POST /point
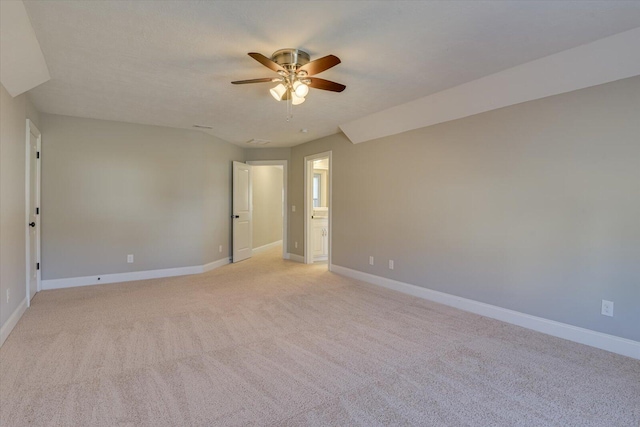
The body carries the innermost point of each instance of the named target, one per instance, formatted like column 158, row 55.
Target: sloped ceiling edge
column 605, row 60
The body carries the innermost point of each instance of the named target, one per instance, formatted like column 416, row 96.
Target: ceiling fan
column 295, row 70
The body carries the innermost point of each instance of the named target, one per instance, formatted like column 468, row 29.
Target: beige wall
column 13, row 115
column 32, row 113
column 217, row 186
column 533, row 207
column 12, row 203
column 267, row 204
column 112, row 189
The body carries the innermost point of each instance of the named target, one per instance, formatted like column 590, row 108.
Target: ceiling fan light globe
column 278, row 92
column 296, row 100
column 300, row 89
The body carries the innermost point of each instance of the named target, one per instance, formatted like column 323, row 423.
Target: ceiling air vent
column 258, row 141
column 202, row 127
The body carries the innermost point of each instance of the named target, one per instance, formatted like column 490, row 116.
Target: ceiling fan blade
column 244, row 82
column 323, row 84
column 320, row 65
column 266, row 62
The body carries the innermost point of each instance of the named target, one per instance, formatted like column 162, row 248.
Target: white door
column 33, row 209
column 242, row 212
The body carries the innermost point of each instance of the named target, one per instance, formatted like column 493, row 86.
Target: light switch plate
column 607, row 308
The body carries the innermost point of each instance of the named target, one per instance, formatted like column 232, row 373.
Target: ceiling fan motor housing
column 290, row 58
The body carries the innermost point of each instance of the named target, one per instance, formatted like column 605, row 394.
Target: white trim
column 612, row 343
column 27, row 199
column 100, row 279
column 32, row 129
column 266, row 247
column 12, row 321
column 296, row 258
column 602, row 61
column 285, row 210
column 73, row 282
column 308, row 204
column 215, row 264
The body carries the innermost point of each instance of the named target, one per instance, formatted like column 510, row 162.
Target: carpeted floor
column 273, row 342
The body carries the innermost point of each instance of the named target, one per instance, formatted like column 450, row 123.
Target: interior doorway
column 317, row 208
column 269, row 201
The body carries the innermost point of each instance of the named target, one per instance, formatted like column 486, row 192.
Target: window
column 317, row 190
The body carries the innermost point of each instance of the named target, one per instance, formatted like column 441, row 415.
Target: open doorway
column 317, row 208
column 269, row 185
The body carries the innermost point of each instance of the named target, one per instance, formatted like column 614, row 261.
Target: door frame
column 308, row 203
column 31, row 128
column 285, row 221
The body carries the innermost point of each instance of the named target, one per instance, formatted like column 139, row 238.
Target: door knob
column 32, row 224
column 235, row 216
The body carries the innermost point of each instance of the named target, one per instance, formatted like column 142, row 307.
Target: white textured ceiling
column 170, row 63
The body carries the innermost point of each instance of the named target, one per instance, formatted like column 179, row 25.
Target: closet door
column 242, row 212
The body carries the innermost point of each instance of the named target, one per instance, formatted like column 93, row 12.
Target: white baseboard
column 215, row 264
column 73, row 282
column 612, row 343
column 106, row 278
column 266, row 247
column 12, row 321
column 296, row 258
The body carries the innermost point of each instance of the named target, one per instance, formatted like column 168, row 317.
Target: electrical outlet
column 370, row 260
column 7, row 295
column 390, row 264
column 130, row 258
column 220, row 248
column 607, row 308
column 293, row 208
column 296, row 245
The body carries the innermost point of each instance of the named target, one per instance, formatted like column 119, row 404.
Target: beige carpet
column 273, row 342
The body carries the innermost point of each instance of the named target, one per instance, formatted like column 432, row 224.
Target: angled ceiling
column 171, row 63
column 22, row 65
column 602, row 61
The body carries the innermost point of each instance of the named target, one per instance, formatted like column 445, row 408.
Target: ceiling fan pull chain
column 290, row 97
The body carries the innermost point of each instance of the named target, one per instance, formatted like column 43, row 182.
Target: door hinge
column 37, row 266
column 37, row 155
column 37, row 211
